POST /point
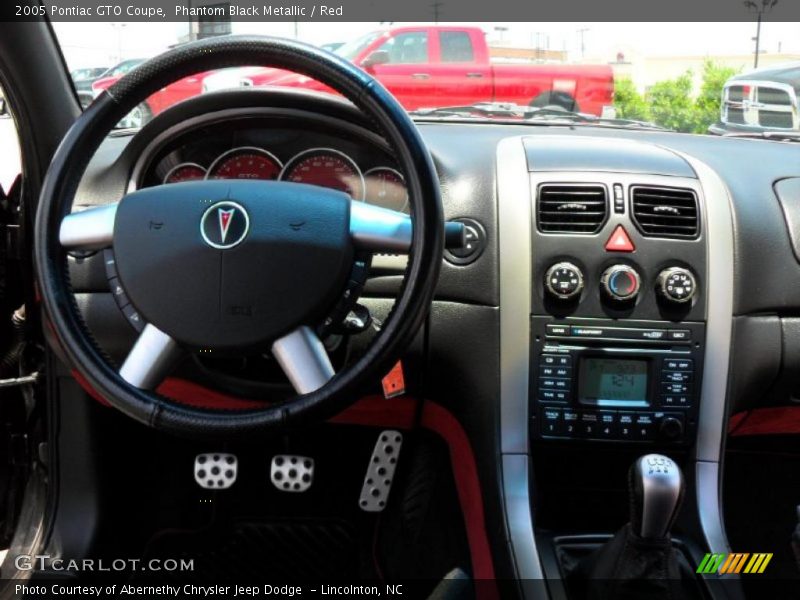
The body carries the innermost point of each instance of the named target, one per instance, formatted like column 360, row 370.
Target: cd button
column 552, row 422
column 683, row 364
column 589, row 424
column 607, row 425
column 557, row 330
column 676, row 389
column 570, row 423
column 625, row 426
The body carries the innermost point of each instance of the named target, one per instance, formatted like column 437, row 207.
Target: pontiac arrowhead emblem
column 224, row 225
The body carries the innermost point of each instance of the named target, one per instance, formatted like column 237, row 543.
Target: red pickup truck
column 427, row 67
column 424, row 67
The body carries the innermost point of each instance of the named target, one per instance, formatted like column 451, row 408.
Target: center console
column 616, row 301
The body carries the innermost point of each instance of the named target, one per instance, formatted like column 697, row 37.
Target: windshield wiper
column 509, row 110
column 780, row 136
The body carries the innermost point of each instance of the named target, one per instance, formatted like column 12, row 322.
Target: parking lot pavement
column 9, row 152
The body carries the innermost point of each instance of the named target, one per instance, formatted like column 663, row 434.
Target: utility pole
column 581, row 33
column 436, row 6
column 759, row 8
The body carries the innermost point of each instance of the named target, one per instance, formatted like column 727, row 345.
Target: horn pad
column 232, row 264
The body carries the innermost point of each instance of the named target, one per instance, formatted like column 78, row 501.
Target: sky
column 85, row 44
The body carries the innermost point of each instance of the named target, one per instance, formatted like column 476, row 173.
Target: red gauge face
column 387, row 188
column 326, row 168
column 245, row 163
column 185, row 172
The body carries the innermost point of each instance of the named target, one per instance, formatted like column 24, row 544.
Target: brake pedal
column 292, row 473
column 215, row 470
column 380, row 471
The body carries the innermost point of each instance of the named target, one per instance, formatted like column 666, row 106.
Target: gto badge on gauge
column 224, row 225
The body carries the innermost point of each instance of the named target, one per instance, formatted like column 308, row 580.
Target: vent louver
column 665, row 212
column 563, row 208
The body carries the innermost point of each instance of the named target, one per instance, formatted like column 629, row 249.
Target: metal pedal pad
column 380, row 471
column 292, row 473
column 215, row 470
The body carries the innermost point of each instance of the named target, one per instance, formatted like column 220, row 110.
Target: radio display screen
column 613, row 382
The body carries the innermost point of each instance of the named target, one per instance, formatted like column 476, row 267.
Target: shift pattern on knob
column 656, row 490
column 620, row 282
column 676, row 284
column 564, row 280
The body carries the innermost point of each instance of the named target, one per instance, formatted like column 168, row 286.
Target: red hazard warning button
column 619, row 241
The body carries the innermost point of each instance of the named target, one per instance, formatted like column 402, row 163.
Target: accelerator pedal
column 380, row 471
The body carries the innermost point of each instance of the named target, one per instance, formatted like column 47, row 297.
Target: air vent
column 571, row 208
column 665, row 212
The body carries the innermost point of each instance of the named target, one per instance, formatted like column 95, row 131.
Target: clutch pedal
column 380, row 471
column 215, row 470
column 292, row 473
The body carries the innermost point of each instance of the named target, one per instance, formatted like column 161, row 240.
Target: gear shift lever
column 640, row 560
column 656, row 487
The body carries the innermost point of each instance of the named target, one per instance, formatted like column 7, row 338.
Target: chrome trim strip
column 514, row 238
column 90, row 229
column 303, row 358
column 380, row 229
column 150, row 359
column 719, row 308
column 514, row 235
column 520, row 525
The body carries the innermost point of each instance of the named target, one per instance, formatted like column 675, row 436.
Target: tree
column 629, row 102
column 670, row 103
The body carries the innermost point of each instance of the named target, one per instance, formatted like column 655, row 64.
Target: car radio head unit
column 604, row 381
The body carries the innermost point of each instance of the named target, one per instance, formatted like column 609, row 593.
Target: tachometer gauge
column 387, row 188
column 328, row 168
column 245, row 162
column 185, row 172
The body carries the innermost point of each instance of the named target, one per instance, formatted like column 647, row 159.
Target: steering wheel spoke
column 378, row 229
column 90, row 229
column 302, row 356
column 151, row 358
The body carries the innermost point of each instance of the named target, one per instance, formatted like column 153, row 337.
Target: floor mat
column 295, row 550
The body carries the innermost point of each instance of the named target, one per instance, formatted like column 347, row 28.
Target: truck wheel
column 555, row 101
column 137, row 118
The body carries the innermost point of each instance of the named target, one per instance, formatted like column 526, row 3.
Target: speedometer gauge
column 245, row 162
column 328, row 168
column 185, row 172
column 387, row 188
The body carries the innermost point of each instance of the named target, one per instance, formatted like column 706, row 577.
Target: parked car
column 762, row 100
column 84, row 86
column 423, row 65
column 87, row 73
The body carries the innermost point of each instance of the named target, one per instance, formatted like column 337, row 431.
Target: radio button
column 589, row 424
column 679, row 335
column 570, row 427
column 560, row 360
column 676, row 376
column 625, row 426
column 607, row 425
column 675, row 364
column 557, row 330
column 552, row 421
column 553, row 396
column 677, row 401
column 553, row 383
column 643, row 427
column 555, row 371
column 676, row 389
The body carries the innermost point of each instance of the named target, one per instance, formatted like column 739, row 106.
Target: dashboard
column 561, row 336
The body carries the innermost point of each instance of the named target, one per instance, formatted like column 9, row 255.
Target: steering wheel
column 236, row 265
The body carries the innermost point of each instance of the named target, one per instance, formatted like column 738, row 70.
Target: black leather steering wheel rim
column 83, row 139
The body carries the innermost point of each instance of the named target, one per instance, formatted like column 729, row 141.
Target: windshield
column 672, row 76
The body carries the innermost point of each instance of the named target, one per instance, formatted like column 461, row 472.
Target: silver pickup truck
column 762, row 100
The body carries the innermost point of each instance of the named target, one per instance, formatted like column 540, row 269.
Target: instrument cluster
column 322, row 165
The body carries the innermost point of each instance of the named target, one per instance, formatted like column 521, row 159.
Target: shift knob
column 656, row 487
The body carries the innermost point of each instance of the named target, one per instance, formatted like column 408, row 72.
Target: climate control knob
column 676, row 284
column 563, row 280
column 620, row 283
